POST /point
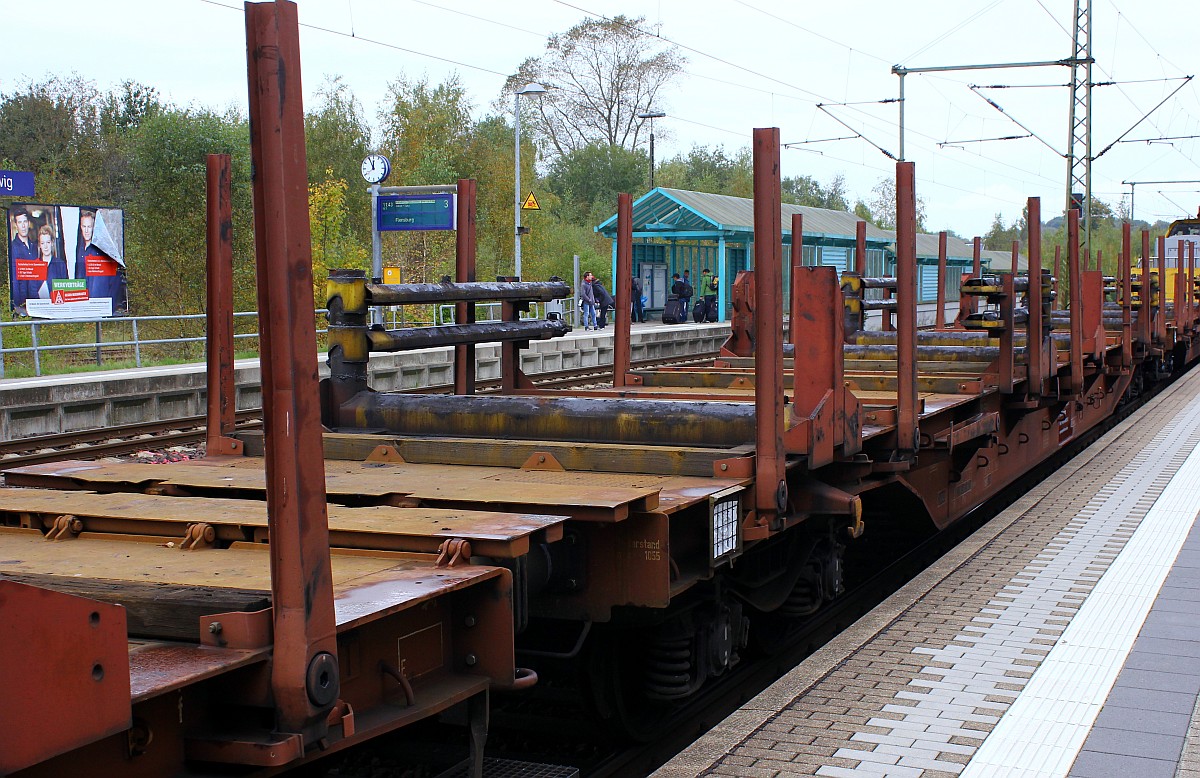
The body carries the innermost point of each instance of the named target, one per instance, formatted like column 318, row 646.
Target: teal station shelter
column 676, row 230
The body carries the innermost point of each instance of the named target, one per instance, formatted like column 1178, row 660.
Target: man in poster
column 22, row 248
column 102, row 272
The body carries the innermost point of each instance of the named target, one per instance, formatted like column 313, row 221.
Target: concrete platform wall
column 69, row 403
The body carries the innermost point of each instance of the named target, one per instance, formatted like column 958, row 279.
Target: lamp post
column 651, row 115
column 528, row 89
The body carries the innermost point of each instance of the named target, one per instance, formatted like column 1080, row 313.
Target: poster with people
column 66, row 261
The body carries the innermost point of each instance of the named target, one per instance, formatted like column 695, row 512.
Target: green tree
column 426, row 132
column 333, row 245
column 588, row 180
column 165, row 216
column 600, row 75
column 806, row 190
column 883, row 206
column 337, row 138
column 490, row 162
column 51, row 128
column 999, row 237
column 710, row 170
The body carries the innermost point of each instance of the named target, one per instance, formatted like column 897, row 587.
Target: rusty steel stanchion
column 860, row 248
column 1075, row 290
column 304, row 669
column 222, row 394
column 795, row 305
column 1034, row 329
column 1144, row 296
column 906, row 309
column 1162, row 290
column 818, row 386
column 1125, row 266
column 939, row 320
column 1058, row 302
column 1192, row 285
column 623, row 289
column 770, row 487
column 464, row 272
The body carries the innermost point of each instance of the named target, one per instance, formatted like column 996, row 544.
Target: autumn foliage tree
column 600, row 74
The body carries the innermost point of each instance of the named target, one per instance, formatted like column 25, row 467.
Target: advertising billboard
column 66, row 261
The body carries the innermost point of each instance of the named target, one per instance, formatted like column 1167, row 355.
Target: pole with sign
column 16, row 183
column 415, row 212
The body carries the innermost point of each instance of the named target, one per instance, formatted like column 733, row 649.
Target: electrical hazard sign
column 531, row 203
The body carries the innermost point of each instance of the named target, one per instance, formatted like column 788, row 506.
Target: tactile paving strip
column 869, row 715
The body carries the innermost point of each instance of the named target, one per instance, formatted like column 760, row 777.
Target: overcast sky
column 756, row 63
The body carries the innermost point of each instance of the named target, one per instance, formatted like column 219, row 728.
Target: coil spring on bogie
column 808, row 594
column 669, row 667
column 821, row 581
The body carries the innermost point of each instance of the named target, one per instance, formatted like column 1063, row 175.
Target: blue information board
column 16, row 183
column 416, row 212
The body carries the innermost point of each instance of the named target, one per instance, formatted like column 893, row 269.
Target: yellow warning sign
column 530, row 203
column 391, row 275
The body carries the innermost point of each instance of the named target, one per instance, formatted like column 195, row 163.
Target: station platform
column 1061, row 639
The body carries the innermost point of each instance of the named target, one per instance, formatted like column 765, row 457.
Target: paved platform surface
column 1062, row 639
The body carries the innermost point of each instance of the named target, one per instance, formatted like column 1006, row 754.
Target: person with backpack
column 637, row 310
column 587, row 301
column 604, row 301
column 685, row 297
column 709, row 286
column 674, row 312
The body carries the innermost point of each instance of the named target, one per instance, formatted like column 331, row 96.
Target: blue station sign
column 416, row 212
column 16, row 183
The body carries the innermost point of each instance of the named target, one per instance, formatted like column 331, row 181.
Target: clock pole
column 376, row 250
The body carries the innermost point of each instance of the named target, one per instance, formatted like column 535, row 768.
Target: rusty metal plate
column 382, row 527
column 691, row 392
column 579, row 495
column 581, row 479
column 936, row 403
column 459, row 485
column 365, row 587
column 76, row 651
column 156, row 668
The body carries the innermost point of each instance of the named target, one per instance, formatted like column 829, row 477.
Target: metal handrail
column 99, row 344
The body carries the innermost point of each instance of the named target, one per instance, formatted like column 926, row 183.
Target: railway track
column 129, row 438
column 746, row 681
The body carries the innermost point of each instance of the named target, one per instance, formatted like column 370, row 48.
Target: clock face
column 375, row 168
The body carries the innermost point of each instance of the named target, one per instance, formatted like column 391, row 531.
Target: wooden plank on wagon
column 154, row 610
column 384, row 528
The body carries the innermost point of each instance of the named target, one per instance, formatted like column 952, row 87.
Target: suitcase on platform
column 700, row 311
column 674, row 313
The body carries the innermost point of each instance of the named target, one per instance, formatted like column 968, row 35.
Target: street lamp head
column 532, row 88
column 651, row 115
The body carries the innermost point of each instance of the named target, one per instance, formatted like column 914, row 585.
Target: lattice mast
column 1079, row 143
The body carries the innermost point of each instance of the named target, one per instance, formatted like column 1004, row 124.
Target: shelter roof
column 665, row 212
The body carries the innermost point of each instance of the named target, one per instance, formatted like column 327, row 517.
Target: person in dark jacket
column 604, row 301
column 709, row 287
column 22, row 250
column 587, row 301
column 637, row 310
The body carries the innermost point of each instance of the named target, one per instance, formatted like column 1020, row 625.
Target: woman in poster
column 55, row 267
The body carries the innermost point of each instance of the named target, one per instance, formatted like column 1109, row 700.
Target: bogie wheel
column 614, row 682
